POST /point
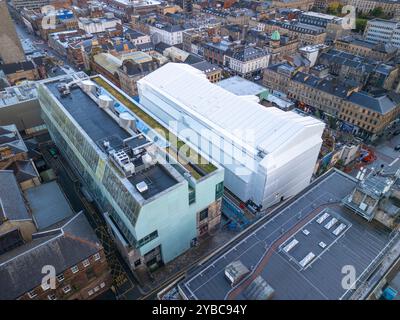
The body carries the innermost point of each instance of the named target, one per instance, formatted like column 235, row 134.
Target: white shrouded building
column 268, row 154
column 96, row 25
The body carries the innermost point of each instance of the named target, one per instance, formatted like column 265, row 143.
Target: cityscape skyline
column 199, row 150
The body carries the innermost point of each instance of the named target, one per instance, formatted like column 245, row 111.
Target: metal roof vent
column 126, row 120
column 88, row 86
column 235, row 272
column 105, row 102
column 142, row 187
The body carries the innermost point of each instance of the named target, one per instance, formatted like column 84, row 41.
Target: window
column 60, row 278
column 52, row 297
column 45, row 286
column 32, row 294
column 86, row 263
column 192, row 195
column 67, row 288
column 219, row 190
column 96, row 256
column 203, row 214
column 147, row 239
column 74, row 269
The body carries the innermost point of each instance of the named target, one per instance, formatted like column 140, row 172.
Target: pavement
column 386, row 155
column 175, row 269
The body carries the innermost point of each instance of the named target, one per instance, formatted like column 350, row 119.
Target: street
column 386, row 155
column 42, row 46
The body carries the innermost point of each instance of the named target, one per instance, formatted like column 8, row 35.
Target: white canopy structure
column 268, row 154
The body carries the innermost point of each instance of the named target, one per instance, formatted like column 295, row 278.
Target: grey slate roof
column 382, row 104
column 11, row 68
column 133, row 34
column 145, row 46
column 205, row 66
column 20, row 269
column 246, row 53
column 23, row 170
column 10, row 137
column 12, row 205
column 133, row 68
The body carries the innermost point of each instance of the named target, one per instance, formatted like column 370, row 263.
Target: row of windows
column 147, row 239
column 358, row 123
column 60, row 278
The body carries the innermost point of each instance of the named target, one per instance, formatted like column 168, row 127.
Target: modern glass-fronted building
column 155, row 209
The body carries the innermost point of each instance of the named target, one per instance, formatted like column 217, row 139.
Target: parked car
column 397, row 148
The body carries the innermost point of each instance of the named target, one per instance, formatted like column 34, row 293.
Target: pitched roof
column 17, row 66
column 64, row 247
column 382, row 104
column 12, row 204
column 23, row 170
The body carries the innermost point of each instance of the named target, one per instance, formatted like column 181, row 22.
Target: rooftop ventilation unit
column 106, row 145
column 235, row 272
column 88, row 86
column 127, row 121
column 147, row 160
column 121, row 157
column 142, row 187
column 259, row 289
column 129, row 168
column 105, row 102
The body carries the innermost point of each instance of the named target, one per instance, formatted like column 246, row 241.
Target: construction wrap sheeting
column 267, row 153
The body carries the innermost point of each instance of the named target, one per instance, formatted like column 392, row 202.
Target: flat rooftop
column 314, row 224
column 156, row 178
column 93, row 120
column 48, row 204
column 101, row 127
column 241, row 87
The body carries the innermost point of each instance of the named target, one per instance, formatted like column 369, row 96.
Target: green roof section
column 198, row 166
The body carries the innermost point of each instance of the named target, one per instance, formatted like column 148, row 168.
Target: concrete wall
column 24, row 115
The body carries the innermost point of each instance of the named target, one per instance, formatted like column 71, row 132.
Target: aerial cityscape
column 200, row 150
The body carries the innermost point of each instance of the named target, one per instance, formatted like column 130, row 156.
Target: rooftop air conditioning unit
column 88, row 86
column 129, row 168
column 121, row 157
column 235, row 272
column 105, row 102
column 126, row 120
column 142, row 187
column 147, row 160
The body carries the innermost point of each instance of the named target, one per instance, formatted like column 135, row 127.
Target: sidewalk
column 155, row 279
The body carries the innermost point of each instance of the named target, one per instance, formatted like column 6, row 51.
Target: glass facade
column 84, row 158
